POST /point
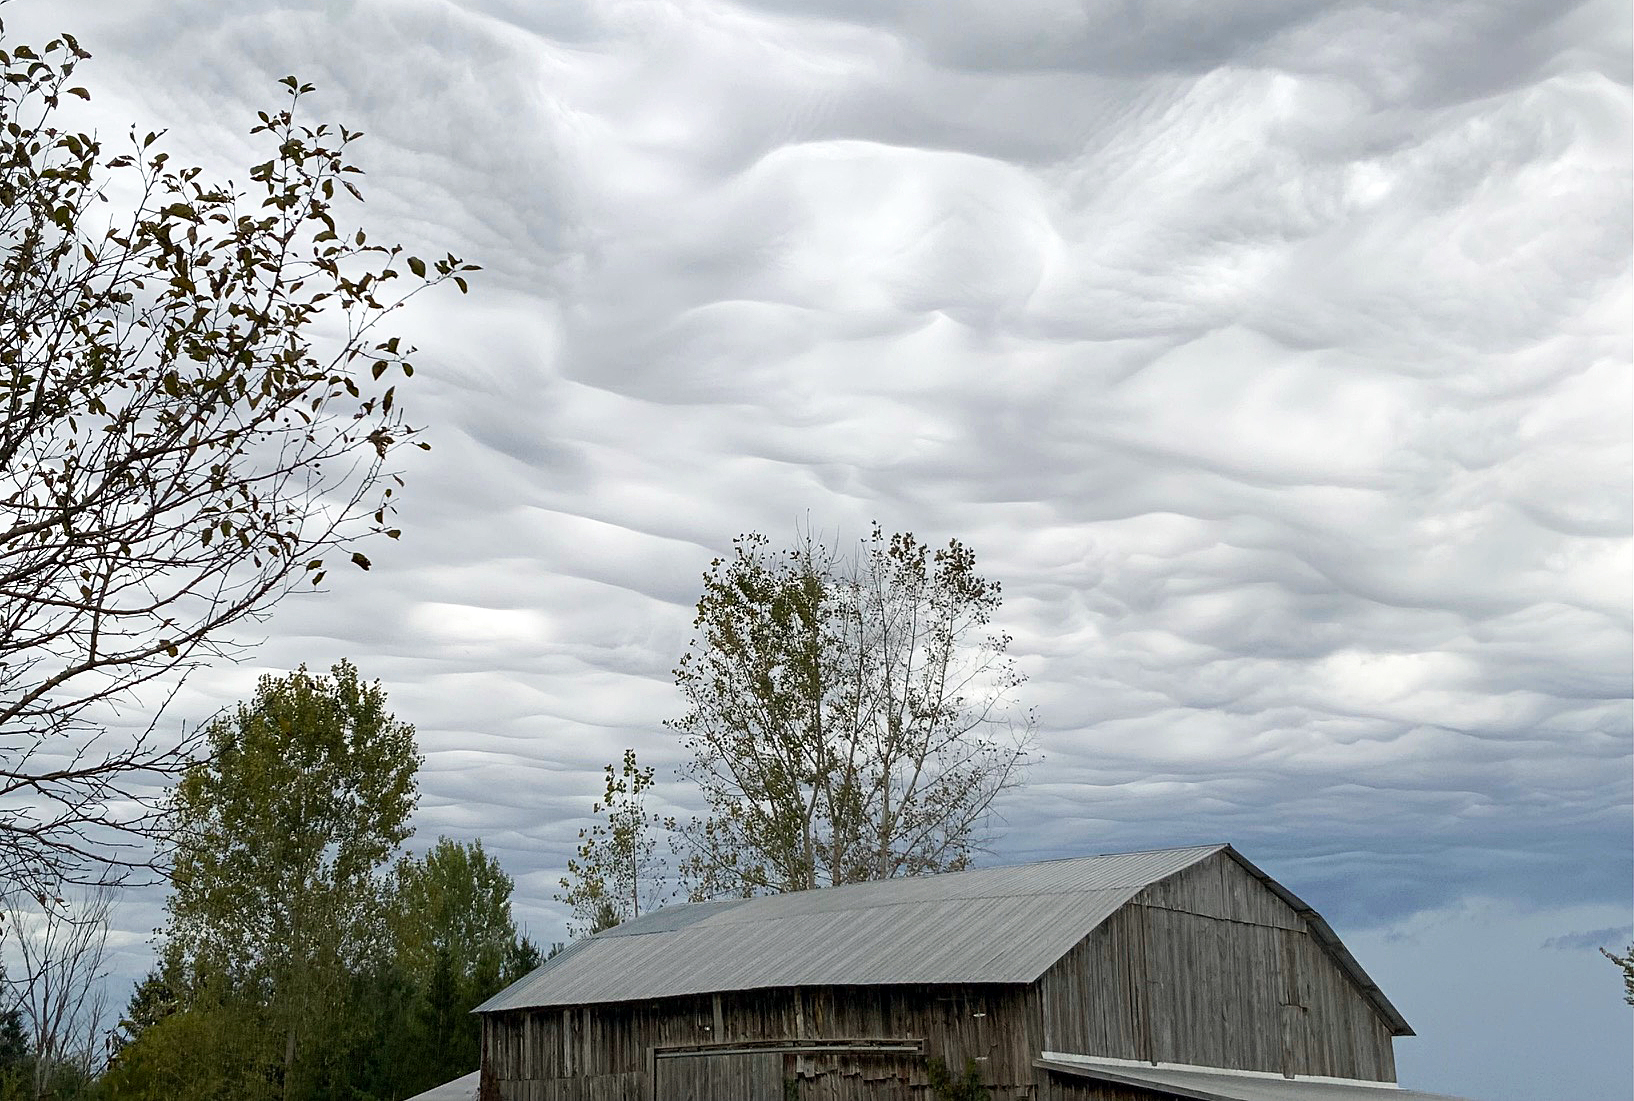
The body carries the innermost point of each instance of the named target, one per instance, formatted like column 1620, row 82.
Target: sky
column 1274, row 355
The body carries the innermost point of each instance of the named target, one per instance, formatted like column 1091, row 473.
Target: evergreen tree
column 16, row 1072
column 440, row 1018
column 456, row 945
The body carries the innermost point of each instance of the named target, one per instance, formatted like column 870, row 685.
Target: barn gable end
column 1216, row 966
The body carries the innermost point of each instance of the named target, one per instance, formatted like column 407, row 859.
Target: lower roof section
column 463, row 1088
column 1214, row 1084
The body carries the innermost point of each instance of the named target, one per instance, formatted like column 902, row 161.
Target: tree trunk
column 289, row 1059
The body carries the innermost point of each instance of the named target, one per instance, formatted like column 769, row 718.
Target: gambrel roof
column 986, row 925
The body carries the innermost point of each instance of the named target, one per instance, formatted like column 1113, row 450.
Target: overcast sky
column 1273, row 354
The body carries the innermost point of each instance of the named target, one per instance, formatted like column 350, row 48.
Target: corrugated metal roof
column 987, row 925
column 1210, row 1084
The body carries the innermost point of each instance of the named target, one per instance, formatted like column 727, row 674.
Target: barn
column 1176, row 973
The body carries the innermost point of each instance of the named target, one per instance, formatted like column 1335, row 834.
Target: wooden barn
column 1179, row 973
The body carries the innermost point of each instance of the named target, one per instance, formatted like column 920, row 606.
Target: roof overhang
column 1219, row 1084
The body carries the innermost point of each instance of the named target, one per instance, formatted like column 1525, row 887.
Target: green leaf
column 360, row 561
column 417, row 266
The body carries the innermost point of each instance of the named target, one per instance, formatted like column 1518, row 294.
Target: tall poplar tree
column 284, row 833
column 618, row 872
column 850, row 717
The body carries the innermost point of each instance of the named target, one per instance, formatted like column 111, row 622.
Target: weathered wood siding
column 746, row 1076
column 1211, row 968
column 618, row 1051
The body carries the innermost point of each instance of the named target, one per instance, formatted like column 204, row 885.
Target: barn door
column 1295, row 1002
column 741, row 1076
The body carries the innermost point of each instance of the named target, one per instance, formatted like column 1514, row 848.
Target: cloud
column 1274, row 356
column 1592, row 939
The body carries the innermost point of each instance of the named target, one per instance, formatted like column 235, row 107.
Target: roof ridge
column 1202, row 850
column 1211, row 846
column 892, row 902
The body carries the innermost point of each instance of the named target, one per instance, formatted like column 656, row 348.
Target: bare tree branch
column 179, row 446
column 62, row 944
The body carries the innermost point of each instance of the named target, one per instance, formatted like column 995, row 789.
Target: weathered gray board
column 741, row 1076
column 837, row 1044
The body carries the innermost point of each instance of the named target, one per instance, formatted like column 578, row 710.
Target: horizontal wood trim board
column 792, row 1047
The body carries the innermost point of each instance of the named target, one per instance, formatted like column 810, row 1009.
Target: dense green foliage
column 298, row 961
column 455, row 943
column 282, row 835
column 14, row 1053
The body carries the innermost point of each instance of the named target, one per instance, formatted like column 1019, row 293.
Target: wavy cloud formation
column 1273, row 355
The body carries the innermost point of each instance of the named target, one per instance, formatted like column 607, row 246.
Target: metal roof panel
column 985, row 925
column 1216, row 1084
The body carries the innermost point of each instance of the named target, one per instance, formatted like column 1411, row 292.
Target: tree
column 439, row 1021
column 455, row 900
column 197, row 413
column 850, row 718
column 152, row 1001
column 283, row 833
column 62, row 947
column 456, row 944
column 14, row 1053
column 524, row 957
column 617, row 873
column 1627, row 965
column 13, row 1041
column 194, row 1053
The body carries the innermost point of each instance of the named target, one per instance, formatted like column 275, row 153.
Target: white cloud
column 1274, row 356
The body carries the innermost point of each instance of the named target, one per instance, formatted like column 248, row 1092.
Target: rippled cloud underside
column 1273, row 355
